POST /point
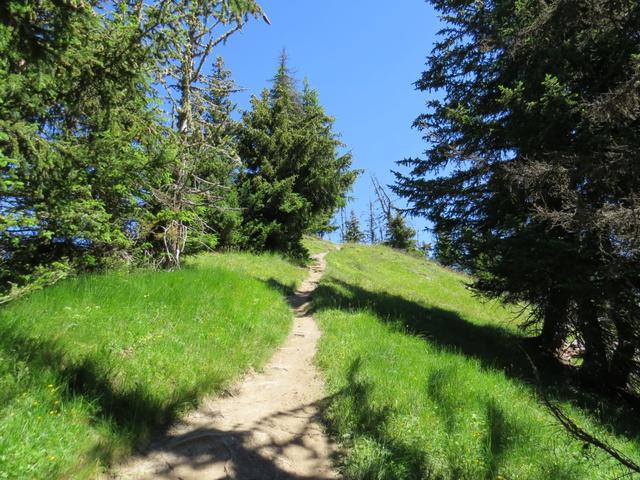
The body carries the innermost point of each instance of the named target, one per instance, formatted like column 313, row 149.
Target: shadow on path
column 214, row 453
column 267, row 429
column 134, row 414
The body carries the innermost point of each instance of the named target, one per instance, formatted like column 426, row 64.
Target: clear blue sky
column 363, row 58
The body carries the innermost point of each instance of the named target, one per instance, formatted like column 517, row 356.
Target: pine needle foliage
column 294, row 176
column 531, row 177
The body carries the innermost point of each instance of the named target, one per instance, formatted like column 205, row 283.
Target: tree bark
column 594, row 367
column 555, row 323
column 622, row 361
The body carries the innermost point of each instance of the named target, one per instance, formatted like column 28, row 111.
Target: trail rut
column 268, row 428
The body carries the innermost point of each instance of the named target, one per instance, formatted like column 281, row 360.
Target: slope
column 428, row 381
column 92, row 366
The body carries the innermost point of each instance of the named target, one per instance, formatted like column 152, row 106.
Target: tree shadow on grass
column 139, row 417
column 284, row 290
column 388, row 456
column 135, row 413
column 494, row 347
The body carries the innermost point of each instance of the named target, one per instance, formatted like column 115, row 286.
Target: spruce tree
column 399, row 234
column 531, row 176
column 76, row 136
column 89, row 172
column 293, row 177
column 352, row 232
column 224, row 217
column 187, row 34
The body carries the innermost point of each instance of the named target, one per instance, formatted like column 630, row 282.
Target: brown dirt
column 268, row 428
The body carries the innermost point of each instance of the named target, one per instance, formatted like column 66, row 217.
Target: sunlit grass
column 318, row 245
column 427, row 381
column 89, row 367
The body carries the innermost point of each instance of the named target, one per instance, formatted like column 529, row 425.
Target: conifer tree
column 531, row 176
column 188, row 33
column 76, row 135
column 352, row 232
column 87, row 167
column 399, row 234
column 224, row 217
column 293, row 177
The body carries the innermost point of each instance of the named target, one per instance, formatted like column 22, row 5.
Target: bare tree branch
column 576, row 431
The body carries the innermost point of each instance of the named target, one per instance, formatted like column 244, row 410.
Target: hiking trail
column 268, row 427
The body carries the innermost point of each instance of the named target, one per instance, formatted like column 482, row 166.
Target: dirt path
column 267, row 429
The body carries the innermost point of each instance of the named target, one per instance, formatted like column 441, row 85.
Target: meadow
column 427, row 381
column 93, row 366
column 424, row 379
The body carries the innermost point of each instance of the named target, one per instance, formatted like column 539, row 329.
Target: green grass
column 90, row 367
column 318, row 245
column 427, row 381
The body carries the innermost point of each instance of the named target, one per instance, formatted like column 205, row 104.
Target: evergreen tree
column 536, row 180
column 352, row 232
column 199, row 190
column 224, row 218
column 89, row 172
column 76, row 135
column 293, row 178
column 399, row 234
column 444, row 253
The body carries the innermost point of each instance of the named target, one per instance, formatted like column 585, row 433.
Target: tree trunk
column 622, row 361
column 594, row 366
column 555, row 323
column 186, row 71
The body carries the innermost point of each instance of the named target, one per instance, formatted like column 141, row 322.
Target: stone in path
column 267, row 429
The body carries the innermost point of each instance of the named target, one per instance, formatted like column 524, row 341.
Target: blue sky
column 363, row 58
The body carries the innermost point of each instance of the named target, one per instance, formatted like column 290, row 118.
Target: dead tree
column 191, row 29
column 372, row 223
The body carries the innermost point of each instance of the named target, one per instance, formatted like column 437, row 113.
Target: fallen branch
column 578, row 432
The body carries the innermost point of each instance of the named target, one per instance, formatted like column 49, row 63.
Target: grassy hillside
column 90, row 366
column 427, row 381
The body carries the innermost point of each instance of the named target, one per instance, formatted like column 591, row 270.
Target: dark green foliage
column 184, row 33
column 444, row 253
column 198, row 195
column 534, row 142
column 75, row 135
column 352, row 232
column 225, row 217
column 399, row 234
column 93, row 172
column 293, row 177
column 90, row 173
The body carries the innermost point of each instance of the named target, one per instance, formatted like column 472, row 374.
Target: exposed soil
column 267, row 428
